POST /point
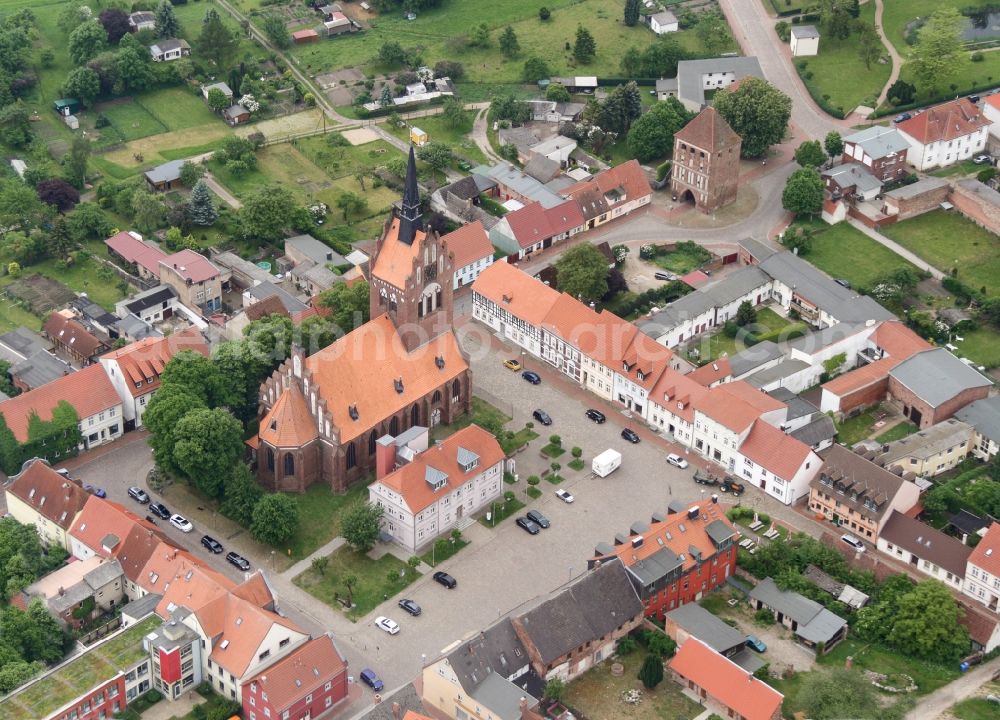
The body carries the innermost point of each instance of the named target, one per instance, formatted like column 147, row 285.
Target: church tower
column 412, row 272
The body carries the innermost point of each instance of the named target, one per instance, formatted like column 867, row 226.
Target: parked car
column 677, row 461
column 982, row 160
column 903, row 117
column 94, row 490
column 704, row 477
column 211, row 543
column 238, row 560
column 974, row 98
column 181, row 523
column 512, row 364
column 384, row 623
column 138, row 494
column 542, row 417
column 853, row 542
column 410, row 607
column 663, row 276
column 596, row 415
column 531, row 377
column 160, row 510
column 754, row 643
column 528, row 526
column 369, row 678
column 565, row 495
column 539, row 519
column 843, row 283
column 445, row 579
column 630, row 435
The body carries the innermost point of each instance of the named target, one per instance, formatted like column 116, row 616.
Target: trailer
column 606, row 463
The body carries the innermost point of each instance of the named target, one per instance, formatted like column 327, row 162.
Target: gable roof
column 948, row 121
column 517, row 292
column 984, row 416
column 412, row 481
column 267, row 289
column 855, row 474
column 316, row 250
column 89, row 391
column 102, row 525
column 289, row 422
column 782, row 455
column 190, row 265
column 142, row 363
column 168, row 171
column 925, row 542
column 65, row 330
column 270, row 305
column 736, row 405
column 468, row 244
column 878, row 141
column 712, row 372
column 158, row 296
column 936, row 376
column 706, row 627
column 371, row 358
column 726, row 681
column 244, row 625
column 48, row 493
column 300, row 672
column 709, row 131
column 394, row 261
column 599, row 602
column 815, row 622
column 623, row 182
column 678, row 393
column 691, row 73
column 496, row 649
column 986, row 554
column 925, row 444
column 134, row 249
column 42, row 367
column 853, row 174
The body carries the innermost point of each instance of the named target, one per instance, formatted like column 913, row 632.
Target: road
column 938, row 702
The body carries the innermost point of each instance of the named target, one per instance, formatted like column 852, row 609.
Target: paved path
column 897, row 61
column 935, row 704
column 896, row 248
column 305, row 563
column 481, row 137
column 226, row 196
column 754, row 31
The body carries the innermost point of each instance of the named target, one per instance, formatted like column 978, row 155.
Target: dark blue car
column 531, row 377
column 369, row 678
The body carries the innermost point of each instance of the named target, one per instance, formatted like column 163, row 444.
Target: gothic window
column 371, row 443
column 430, row 272
column 392, row 306
column 270, row 459
column 394, row 426
column 352, row 456
column 414, row 415
column 437, row 299
column 456, row 389
column 437, row 396
column 289, row 464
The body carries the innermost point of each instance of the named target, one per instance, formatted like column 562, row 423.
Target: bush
column 626, row 645
column 976, row 57
column 534, row 480
column 576, row 452
column 764, row 617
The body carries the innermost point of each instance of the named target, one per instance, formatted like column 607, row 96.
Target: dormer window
column 352, row 410
column 439, row 362
column 398, row 385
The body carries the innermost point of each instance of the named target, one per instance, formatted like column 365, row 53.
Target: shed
column 305, row 36
column 418, row 137
column 165, row 176
column 220, row 86
column 236, row 115
column 66, row 106
column 19, row 166
column 805, row 40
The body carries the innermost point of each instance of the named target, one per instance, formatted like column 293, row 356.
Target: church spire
column 410, row 218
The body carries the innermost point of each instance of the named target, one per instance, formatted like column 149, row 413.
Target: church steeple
column 410, row 218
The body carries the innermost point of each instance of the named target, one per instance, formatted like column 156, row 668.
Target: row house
column 881, row 150
column 984, row 417
column 534, row 228
column 66, row 591
column 472, row 250
column 982, row 576
column 611, row 193
column 72, row 339
column 929, row 452
column 427, row 494
column 306, row 684
column 945, row 134
column 676, row 558
column 49, row 500
column 858, row 495
column 924, row 549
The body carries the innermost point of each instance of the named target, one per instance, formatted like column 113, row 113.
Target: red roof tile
column 62, row 329
column 48, row 493
column 468, row 244
column 269, row 306
column 137, row 251
column 726, row 681
column 394, row 262
column 104, row 525
column 239, row 629
column 987, row 552
column 301, row 672
column 947, row 121
column 677, row 393
column 289, row 423
column 627, row 180
column 780, row 454
column 712, row 372
column 708, row 131
column 898, row 340
column 89, row 391
column 861, row 377
column 515, row 291
column 736, row 405
column 142, row 363
column 190, row 266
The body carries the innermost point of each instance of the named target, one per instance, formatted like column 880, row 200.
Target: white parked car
column 181, row 523
column 386, row 624
column 853, row 542
column 564, row 495
column 677, row 461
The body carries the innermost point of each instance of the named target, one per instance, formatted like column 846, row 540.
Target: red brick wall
column 925, row 202
column 979, row 211
column 299, row 708
column 928, row 415
column 868, row 395
column 676, row 594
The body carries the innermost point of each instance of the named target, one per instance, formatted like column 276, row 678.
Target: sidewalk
column 305, row 563
column 896, row 248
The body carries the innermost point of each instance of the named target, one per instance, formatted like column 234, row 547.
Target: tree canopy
column 810, row 154
column 652, row 136
column 585, row 47
column 207, row 443
column 758, row 112
column 938, row 50
column 803, row 194
column 275, row 519
column 361, row 525
column 582, row 271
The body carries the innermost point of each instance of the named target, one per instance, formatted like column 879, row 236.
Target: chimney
column 385, row 456
column 522, row 704
column 397, row 711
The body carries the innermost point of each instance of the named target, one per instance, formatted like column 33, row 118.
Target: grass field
column 456, row 138
column 320, row 512
column 858, row 428
column 130, row 121
column 982, row 346
column 839, row 76
column 842, row 251
column 178, row 108
column 949, row 240
column 769, row 326
column 898, row 432
column 978, row 708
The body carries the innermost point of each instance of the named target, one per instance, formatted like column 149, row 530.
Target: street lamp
column 570, row 572
column 524, row 358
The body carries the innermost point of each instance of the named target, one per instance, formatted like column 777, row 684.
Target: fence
column 101, row 632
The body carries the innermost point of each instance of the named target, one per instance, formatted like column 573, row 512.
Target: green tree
column 196, row 374
column 544, row 13
column 351, row 204
column 810, row 154
column 266, row 213
column 803, row 194
column 217, row 43
column 901, row 93
column 207, row 443
column 148, row 211
column 870, row 46
column 833, row 144
column 652, row 136
column 621, row 107
column 385, row 97
column 660, row 59
column 758, row 112
column 275, row 519
column 535, row 69
column 200, row 206
column 167, row 25
column 361, row 525
column 509, row 46
column 75, row 167
column 453, row 114
column 585, row 47
column 15, row 125
column 651, row 672
column 631, row 13
column 555, row 690
column 745, row 314
column 277, row 31
column 168, row 405
column 480, row 35
column 86, row 41
column 556, row 92
column 508, row 107
column 436, row 154
column 985, row 495
column 631, row 63
column 83, row 84
column 241, row 366
column 836, row 18
column 838, row 693
column 712, row 31
column 191, row 172
column 348, row 305
column 582, row 271
column 242, row 493
column 72, row 16
column 217, row 100
column 15, row 673
column 391, row 54
column 938, row 50
column 134, row 70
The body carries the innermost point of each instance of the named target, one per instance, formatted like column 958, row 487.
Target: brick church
column 322, row 415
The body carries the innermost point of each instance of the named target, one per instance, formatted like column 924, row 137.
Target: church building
column 321, row 416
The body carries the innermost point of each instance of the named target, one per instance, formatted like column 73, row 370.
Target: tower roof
column 708, row 131
column 410, row 219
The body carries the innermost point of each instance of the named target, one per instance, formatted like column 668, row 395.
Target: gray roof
column 853, row 174
column 169, row 44
column 926, row 543
column 231, row 261
column 921, row 186
column 700, row 623
column 138, row 609
column 553, row 144
column 820, row 289
column 269, row 289
column 801, row 32
column 820, row 430
column 819, row 339
column 315, row 250
column 878, row 141
column 797, row 407
column 226, row 90
column 719, row 532
column 967, row 522
column 757, row 249
column 690, row 74
column 748, row 660
column 664, row 18
column 150, row 298
column 39, row 369
column 21, row 343
column 234, row 111
column 925, row 444
column 984, row 416
column 851, row 473
column 666, row 85
column 815, row 623
column 406, row 697
column 137, row 329
column 167, row 172
column 319, row 275
column 466, row 457
column 597, row 603
column 569, row 109
column 520, row 137
column 494, row 650
column 142, row 16
column 936, row 376
column 777, row 372
column 983, row 192
column 751, row 358
column 541, row 168
column 520, row 182
column 502, row 697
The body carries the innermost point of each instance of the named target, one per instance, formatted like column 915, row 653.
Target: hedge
column 944, row 97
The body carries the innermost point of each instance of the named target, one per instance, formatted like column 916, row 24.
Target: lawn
column 978, row 708
column 769, row 326
column 129, row 121
column 456, row 138
column 72, row 680
column 838, row 76
column 842, row 251
column 487, row 416
column 685, row 257
column 438, row 554
column 982, row 346
column 178, row 108
column 776, row 6
column 966, row 167
column 500, row 511
column 929, row 676
column 949, row 240
column 597, row 694
column 897, row 13
column 320, row 512
column 373, row 584
column 897, row 432
column 856, row 429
